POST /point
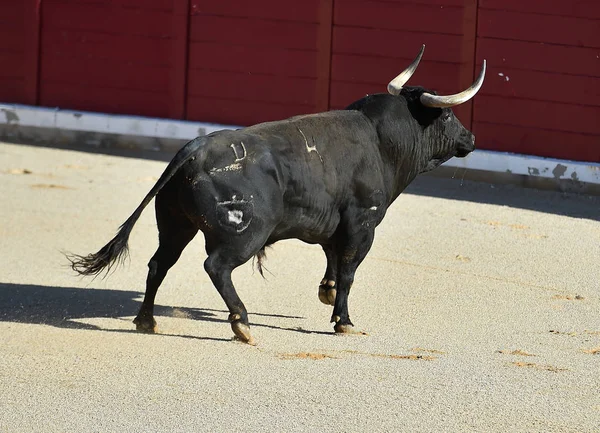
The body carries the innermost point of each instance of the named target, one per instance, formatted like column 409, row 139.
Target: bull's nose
column 466, row 146
column 470, row 143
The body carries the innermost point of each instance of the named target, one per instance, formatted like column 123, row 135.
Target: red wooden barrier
column 114, row 56
column 256, row 61
column 240, row 62
column 19, row 50
column 542, row 90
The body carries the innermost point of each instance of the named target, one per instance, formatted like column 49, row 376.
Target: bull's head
column 434, row 113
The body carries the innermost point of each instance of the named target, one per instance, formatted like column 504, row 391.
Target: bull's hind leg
column 327, row 290
column 351, row 253
column 174, row 235
column 219, row 268
column 224, row 255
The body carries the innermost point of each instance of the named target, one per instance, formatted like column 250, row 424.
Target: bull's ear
column 436, row 101
column 395, row 86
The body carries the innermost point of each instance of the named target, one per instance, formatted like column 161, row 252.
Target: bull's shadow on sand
column 63, row 307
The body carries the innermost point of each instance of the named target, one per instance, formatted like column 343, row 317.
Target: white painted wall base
column 499, row 162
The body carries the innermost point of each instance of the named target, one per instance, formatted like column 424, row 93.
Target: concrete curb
column 22, row 123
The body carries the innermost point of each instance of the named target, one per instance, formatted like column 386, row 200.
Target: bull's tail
column 116, row 250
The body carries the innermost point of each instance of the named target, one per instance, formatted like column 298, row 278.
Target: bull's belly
column 310, row 226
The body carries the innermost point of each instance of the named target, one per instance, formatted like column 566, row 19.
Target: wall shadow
column 136, row 153
column 515, row 196
column 521, row 192
column 63, row 306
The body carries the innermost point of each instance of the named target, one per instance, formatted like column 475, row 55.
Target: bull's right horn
column 435, row 101
column 396, row 84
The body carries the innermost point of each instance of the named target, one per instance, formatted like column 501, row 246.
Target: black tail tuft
column 114, row 252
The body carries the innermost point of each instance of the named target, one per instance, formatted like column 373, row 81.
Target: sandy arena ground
column 481, row 305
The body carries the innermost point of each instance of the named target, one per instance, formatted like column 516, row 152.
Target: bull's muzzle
column 466, row 145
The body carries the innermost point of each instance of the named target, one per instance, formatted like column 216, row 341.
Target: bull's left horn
column 396, row 84
column 436, row 101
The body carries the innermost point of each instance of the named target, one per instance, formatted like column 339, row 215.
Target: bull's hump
column 322, row 122
column 325, row 120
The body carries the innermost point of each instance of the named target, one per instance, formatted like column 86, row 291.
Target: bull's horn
column 436, row 101
column 396, row 84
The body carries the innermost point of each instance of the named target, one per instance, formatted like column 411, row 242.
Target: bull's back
column 294, row 176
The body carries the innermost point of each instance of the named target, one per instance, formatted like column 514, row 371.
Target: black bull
column 326, row 178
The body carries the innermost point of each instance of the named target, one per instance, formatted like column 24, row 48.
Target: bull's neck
column 406, row 158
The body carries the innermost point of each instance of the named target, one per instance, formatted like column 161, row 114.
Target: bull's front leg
column 350, row 256
column 327, row 289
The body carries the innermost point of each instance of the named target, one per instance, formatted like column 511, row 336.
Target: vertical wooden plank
column 31, row 67
column 179, row 62
column 468, row 54
column 324, row 32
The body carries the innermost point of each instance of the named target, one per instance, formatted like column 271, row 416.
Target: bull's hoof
column 146, row 325
column 242, row 333
column 327, row 293
column 241, row 330
column 346, row 329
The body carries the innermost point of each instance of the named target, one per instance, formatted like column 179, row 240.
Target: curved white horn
column 396, row 84
column 436, row 101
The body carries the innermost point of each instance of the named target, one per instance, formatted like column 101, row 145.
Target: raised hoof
column 346, row 329
column 327, row 295
column 145, row 325
column 242, row 332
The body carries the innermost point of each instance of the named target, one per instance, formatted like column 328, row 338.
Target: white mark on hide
column 373, row 208
column 234, row 200
column 506, row 77
column 235, row 216
column 309, row 148
column 236, row 166
column 235, row 151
